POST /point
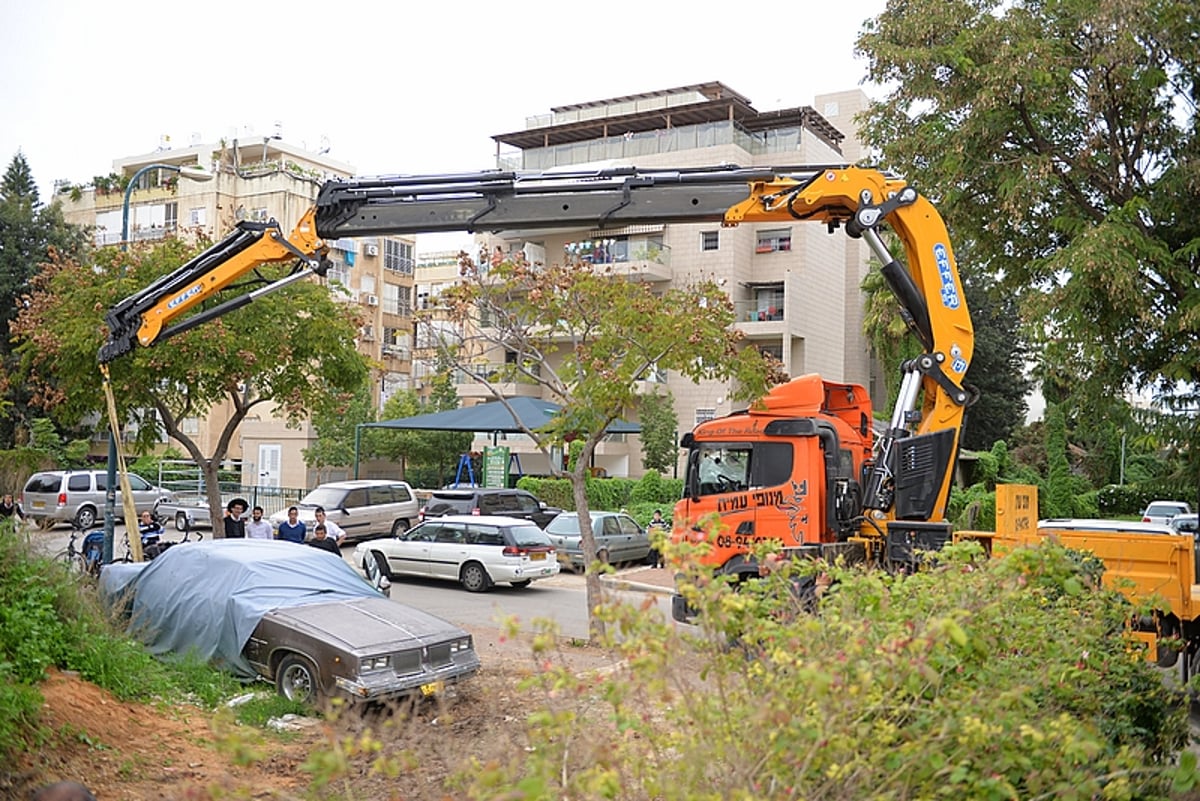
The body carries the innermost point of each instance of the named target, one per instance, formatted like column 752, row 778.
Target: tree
column 660, row 428
column 585, row 337
column 998, row 368
column 1060, row 140
column 28, row 234
column 291, row 353
column 336, row 430
column 427, row 455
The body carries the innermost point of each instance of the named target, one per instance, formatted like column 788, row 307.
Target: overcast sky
column 390, row 87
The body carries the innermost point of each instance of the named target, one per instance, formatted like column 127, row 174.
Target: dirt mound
column 130, row 752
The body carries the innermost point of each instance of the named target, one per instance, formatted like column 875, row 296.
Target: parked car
column 1163, row 511
column 481, row 501
column 248, row 605
column 618, row 539
column 478, row 551
column 60, row 496
column 1186, row 524
column 363, row 508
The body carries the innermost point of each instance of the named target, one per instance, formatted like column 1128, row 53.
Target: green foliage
column 29, row 233
column 1058, row 481
column 610, row 494
column 429, row 458
column 972, row 679
column 148, row 465
column 1132, row 499
column 660, row 426
column 336, row 429
column 1059, row 141
column 44, row 438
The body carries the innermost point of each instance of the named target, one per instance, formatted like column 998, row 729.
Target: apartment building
column 796, row 287
column 257, row 179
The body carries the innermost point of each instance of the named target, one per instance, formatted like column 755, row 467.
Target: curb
column 616, row 582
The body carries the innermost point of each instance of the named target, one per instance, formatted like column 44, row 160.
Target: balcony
column 758, row 311
column 635, row 258
column 502, row 376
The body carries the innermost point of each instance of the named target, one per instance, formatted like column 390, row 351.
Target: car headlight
column 460, row 645
column 376, row 663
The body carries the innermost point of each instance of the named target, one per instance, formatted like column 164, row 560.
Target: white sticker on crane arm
column 175, row 301
column 941, row 255
column 957, row 363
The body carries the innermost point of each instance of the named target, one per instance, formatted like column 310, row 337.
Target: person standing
column 292, row 529
column 324, row 542
column 256, row 527
column 336, row 532
column 657, row 528
column 10, row 508
column 235, row 524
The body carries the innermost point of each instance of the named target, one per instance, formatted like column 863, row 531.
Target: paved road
column 562, row 598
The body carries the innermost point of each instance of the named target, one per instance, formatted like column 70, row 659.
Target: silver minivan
column 364, row 508
column 58, row 496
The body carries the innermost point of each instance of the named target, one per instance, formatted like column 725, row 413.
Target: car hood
column 367, row 625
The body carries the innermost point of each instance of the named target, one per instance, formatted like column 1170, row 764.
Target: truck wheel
column 181, row 523
column 399, row 527
column 474, row 578
column 296, row 679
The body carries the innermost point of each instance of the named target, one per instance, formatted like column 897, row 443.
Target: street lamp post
column 110, row 494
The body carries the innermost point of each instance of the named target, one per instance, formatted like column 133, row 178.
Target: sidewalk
column 644, row 579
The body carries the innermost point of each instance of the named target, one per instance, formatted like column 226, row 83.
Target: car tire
column 380, row 561
column 181, row 521
column 85, row 518
column 474, row 577
column 520, row 585
column 399, row 527
column 296, row 679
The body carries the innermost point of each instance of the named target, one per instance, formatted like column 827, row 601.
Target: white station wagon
column 478, row 551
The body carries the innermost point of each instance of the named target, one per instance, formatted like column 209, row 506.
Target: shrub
column 972, row 679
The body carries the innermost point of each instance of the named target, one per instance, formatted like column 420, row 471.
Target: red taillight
column 62, row 499
column 476, row 511
column 1145, row 518
column 512, row 550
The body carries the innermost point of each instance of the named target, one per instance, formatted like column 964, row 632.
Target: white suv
column 363, row 508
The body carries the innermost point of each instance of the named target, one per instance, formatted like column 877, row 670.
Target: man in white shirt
column 332, row 529
column 256, row 527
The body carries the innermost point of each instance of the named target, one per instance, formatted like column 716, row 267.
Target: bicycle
column 83, row 561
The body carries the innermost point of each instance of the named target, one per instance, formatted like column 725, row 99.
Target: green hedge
column 1132, row 499
column 652, row 491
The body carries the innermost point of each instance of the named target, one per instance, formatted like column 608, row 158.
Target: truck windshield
column 723, row 467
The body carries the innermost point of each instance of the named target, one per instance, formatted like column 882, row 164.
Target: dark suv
column 479, row 501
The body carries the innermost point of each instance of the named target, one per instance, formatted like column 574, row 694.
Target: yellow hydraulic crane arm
column 147, row 316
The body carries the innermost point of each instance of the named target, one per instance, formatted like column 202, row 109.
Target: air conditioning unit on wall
column 372, row 300
column 371, row 250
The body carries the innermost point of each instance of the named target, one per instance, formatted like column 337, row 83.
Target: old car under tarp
column 295, row 615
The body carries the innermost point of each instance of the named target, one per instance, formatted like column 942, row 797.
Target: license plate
column 431, row 688
column 39, row 504
column 537, row 556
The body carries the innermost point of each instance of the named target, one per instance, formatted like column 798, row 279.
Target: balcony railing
column 758, row 311
column 498, row 373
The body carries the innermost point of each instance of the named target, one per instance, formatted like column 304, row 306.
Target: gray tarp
column 493, row 416
column 206, row 597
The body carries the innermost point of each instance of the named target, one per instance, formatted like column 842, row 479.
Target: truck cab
column 789, row 469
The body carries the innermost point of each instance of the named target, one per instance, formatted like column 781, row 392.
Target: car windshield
column 1164, row 509
column 328, row 497
column 526, row 536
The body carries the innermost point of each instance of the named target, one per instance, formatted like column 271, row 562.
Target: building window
column 774, row 240
column 198, row 216
column 710, row 240
column 259, row 214
column 769, row 303
column 190, row 425
column 398, row 256
column 171, row 216
column 704, row 415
